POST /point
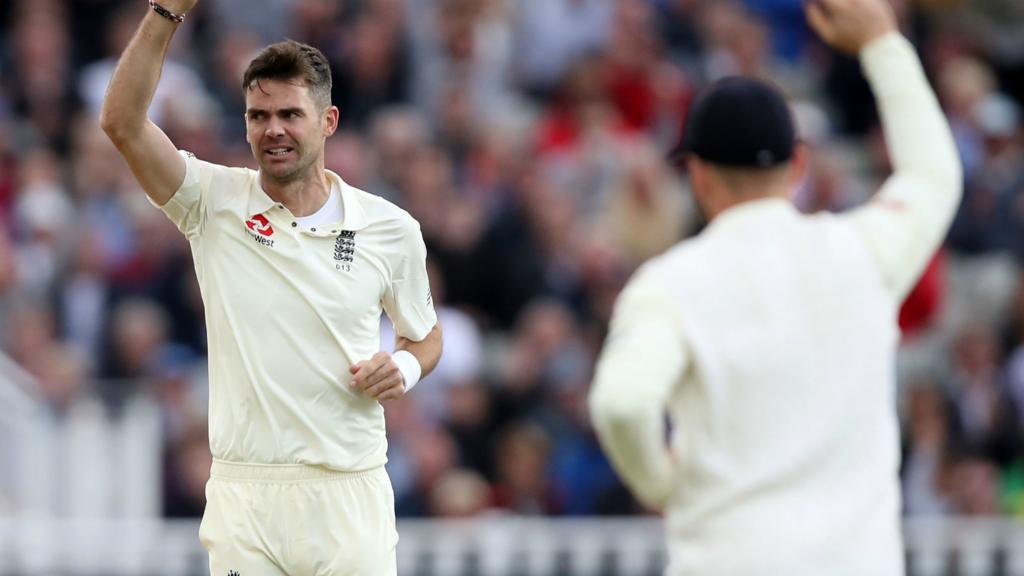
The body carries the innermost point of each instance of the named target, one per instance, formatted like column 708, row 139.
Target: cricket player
column 295, row 268
column 770, row 337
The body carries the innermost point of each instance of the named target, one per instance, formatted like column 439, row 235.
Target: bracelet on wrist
column 176, row 18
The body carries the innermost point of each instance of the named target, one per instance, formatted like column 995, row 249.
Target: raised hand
column 849, row 25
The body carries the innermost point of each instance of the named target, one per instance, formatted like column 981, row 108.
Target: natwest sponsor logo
column 259, row 223
column 260, row 230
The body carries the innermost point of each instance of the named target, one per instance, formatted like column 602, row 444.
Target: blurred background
column 528, row 137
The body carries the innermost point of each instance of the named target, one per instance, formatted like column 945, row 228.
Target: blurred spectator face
column 234, row 52
column 285, row 144
column 457, row 119
column 456, row 19
column 998, row 118
column 963, row 82
column 401, row 418
column 391, row 11
column 89, row 258
column 543, row 349
column 374, row 45
column 40, row 54
column 829, row 186
column 30, row 333
column 122, row 27
column 40, row 46
column 468, row 405
column 721, row 21
column 139, row 330
column 61, row 375
column 633, row 39
column 426, row 189
column 585, row 82
column 313, row 15
column 975, row 484
column 546, row 326
column 434, row 453
column 346, row 153
column 750, row 45
column 98, row 168
column 460, row 493
column 396, row 135
column 43, row 206
column 977, row 351
column 522, row 461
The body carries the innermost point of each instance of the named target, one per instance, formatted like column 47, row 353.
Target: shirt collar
column 354, row 216
column 756, row 209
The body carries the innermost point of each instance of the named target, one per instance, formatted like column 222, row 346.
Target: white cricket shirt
column 770, row 340
column 290, row 309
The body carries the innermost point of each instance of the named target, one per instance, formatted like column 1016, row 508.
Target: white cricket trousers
column 296, row 520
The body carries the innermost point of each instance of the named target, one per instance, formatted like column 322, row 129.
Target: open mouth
column 278, row 152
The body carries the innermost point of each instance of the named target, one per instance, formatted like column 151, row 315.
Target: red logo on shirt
column 259, row 223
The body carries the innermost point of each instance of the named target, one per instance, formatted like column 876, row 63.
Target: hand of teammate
column 849, row 25
column 378, row 377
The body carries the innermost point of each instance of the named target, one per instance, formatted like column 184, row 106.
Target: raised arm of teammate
column 151, row 155
column 907, row 220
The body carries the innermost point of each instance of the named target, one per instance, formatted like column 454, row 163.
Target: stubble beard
column 276, row 174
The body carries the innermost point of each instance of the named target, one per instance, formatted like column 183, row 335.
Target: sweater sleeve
column 907, row 220
column 643, row 358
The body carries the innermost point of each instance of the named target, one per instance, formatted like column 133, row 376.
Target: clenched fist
column 378, row 377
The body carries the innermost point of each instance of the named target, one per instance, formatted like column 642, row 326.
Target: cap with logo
column 739, row 122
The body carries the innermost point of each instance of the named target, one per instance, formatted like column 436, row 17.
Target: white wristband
column 409, row 366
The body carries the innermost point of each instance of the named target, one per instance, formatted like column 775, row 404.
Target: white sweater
column 770, row 339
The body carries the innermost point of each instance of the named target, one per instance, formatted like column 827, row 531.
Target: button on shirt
column 290, row 309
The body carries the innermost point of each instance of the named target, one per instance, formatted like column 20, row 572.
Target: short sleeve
column 407, row 298
column 187, row 207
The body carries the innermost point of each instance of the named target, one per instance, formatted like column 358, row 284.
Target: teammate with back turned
column 770, row 337
column 295, row 267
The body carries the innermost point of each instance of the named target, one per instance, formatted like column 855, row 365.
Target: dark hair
column 290, row 60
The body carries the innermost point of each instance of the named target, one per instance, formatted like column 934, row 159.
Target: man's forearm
column 135, row 79
column 426, row 351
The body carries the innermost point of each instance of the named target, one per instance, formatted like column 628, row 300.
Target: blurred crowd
column 529, row 139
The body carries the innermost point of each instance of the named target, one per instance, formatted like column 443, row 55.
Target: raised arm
column 906, row 221
column 152, row 157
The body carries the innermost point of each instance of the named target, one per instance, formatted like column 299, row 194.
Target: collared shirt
column 289, row 310
column 770, row 340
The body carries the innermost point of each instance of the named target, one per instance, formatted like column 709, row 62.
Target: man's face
column 285, row 128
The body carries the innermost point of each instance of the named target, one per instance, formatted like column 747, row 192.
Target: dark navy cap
column 739, row 122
